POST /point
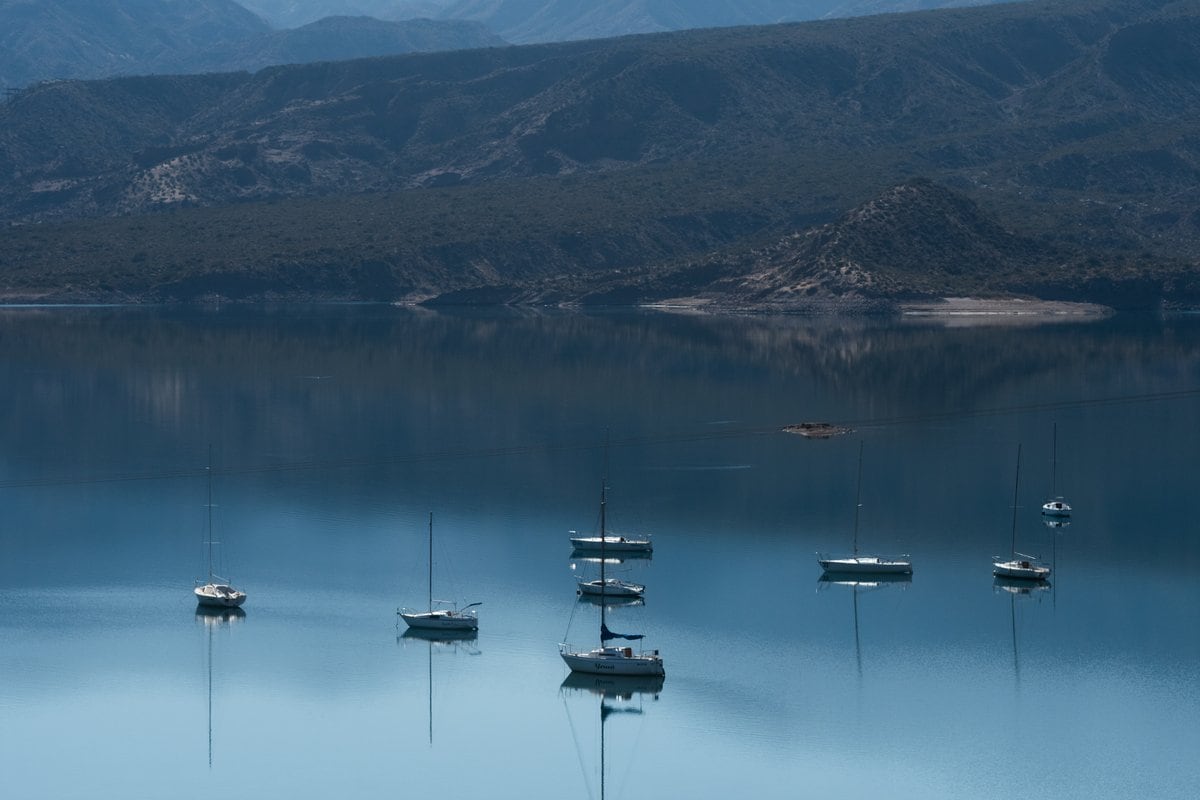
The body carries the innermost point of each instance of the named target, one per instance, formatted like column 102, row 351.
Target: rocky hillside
column 1033, row 98
column 1062, row 134
column 582, row 245
column 915, row 240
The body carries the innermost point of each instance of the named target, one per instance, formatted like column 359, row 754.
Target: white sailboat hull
column 1019, row 568
column 219, row 595
column 612, row 544
column 867, row 565
column 440, row 620
column 611, row 587
column 614, row 661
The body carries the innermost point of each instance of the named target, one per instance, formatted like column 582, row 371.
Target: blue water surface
column 336, row 431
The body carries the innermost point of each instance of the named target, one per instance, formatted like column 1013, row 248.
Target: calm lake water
column 336, row 431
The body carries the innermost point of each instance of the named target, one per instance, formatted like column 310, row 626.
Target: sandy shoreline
column 998, row 311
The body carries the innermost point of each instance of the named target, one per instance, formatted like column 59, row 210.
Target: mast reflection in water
column 213, row 618
column 618, row 695
column 450, row 640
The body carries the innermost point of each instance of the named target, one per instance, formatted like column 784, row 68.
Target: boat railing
column 877, row 556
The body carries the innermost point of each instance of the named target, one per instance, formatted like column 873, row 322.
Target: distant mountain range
column 338, row 39
column 62, row 39
column 294, row 13
column 530, row 21
column 56, row 39
column 65, row 39
column 1051, row 148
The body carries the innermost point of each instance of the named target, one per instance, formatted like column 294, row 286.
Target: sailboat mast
column 602, row 747
column 1054, row 463
column 208, row 469
column 858, row 497
column 857, row 643
column 1016, row 484
column 603, row 542
column 430, row 692
column 210, row 684
column 430, row 581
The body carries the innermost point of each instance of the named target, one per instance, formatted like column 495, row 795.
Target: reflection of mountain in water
column 398, row 350
column 392, row 390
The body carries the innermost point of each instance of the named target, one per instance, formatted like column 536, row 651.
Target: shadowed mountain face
column 1062, row 135
column 1050, row 96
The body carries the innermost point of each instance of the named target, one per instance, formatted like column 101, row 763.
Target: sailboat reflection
column 216, row 617
column 593, row 556
column 1018, row 588
column 619, row 695
column 611, row 602
column 442, row 636
column 447, row 639
column 212, row 618
column 862, row 583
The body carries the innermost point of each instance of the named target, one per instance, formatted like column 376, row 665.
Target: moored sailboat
column 606, row 659
column 216, row 591
column 605, row 586
column 859, row 563
column 445, row 618
column 1019, row 565
column 614, row 544
column 1058, row 507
